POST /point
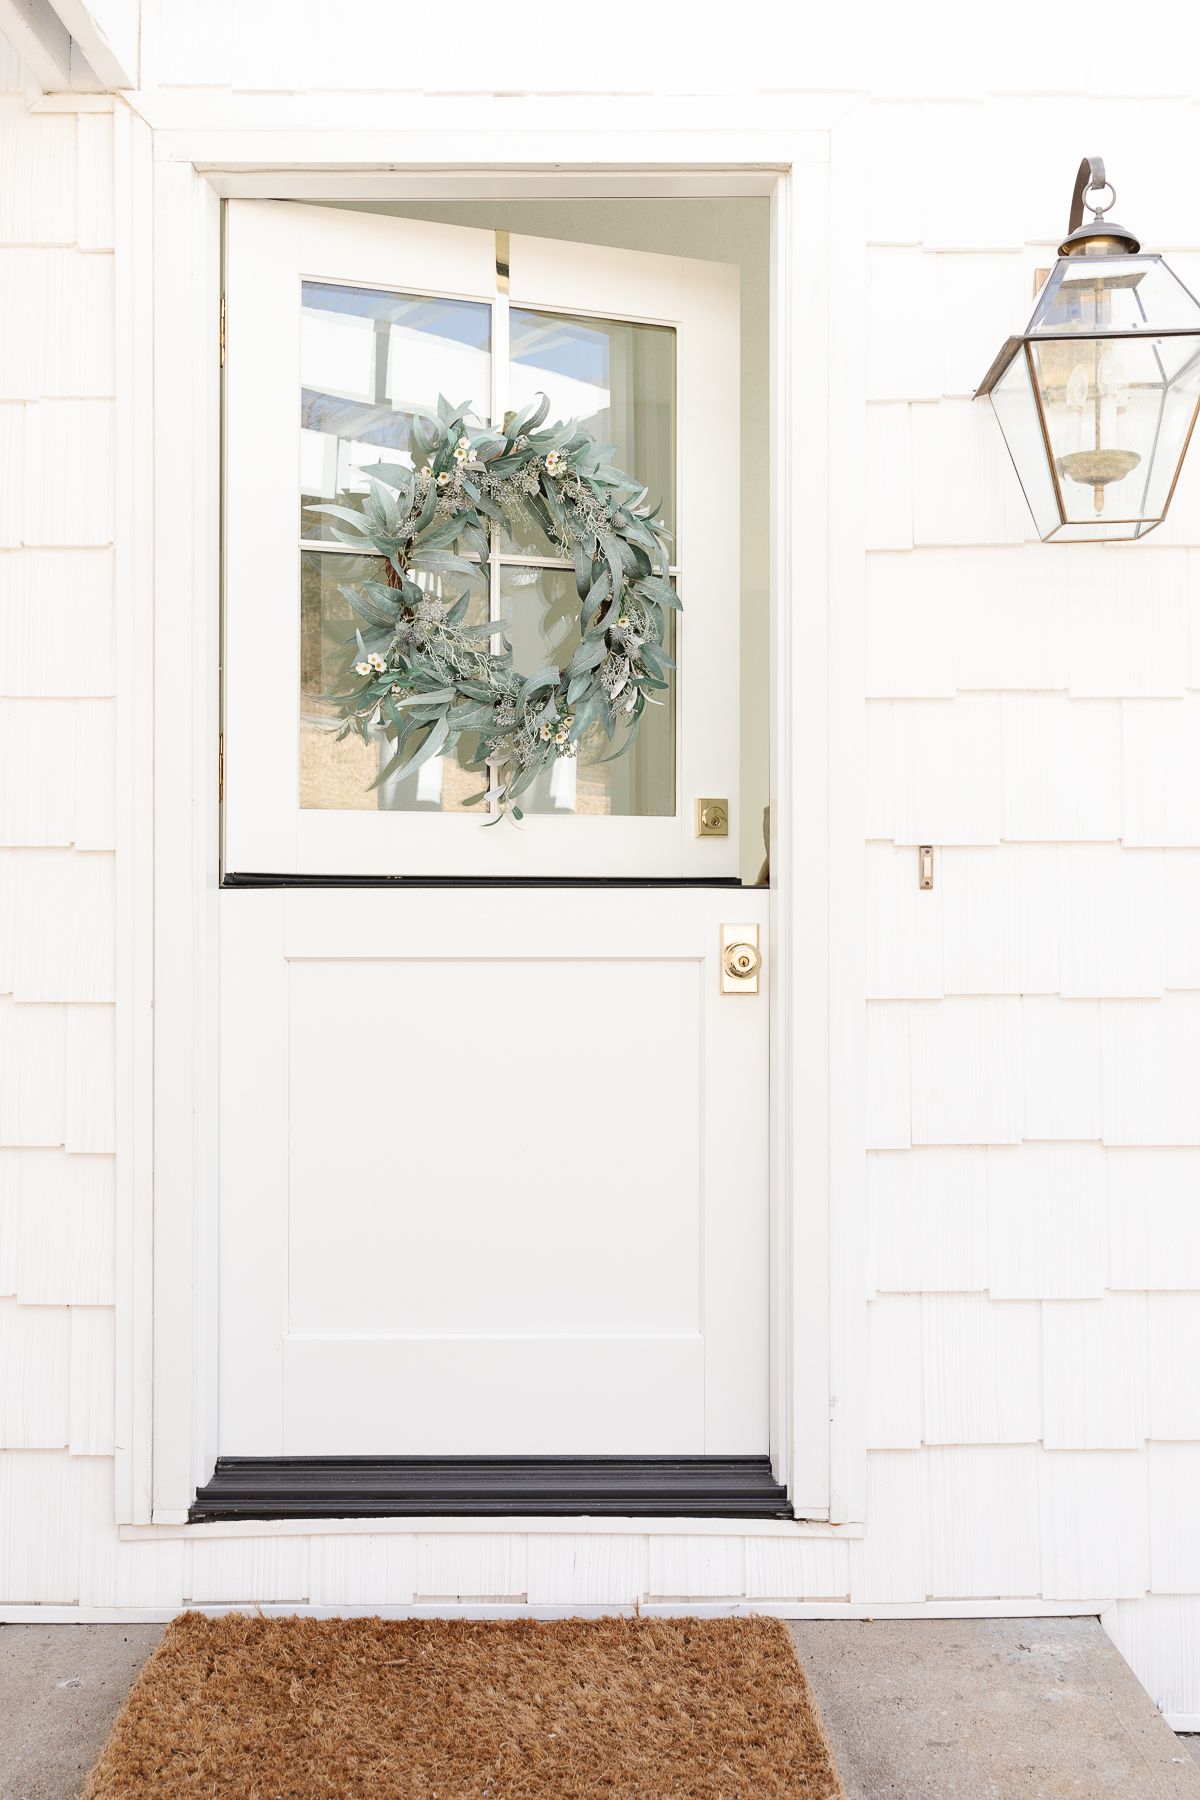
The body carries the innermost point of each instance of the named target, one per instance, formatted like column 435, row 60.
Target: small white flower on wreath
column 444, row 479
column 462, row 451
column 377, row 662
column 362, row 668
column 555, row 464
column 545, row 734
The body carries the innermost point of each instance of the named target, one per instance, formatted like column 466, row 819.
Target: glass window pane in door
column 615, row 377
column 367, row 358
column 542, row 610
column 338, row 776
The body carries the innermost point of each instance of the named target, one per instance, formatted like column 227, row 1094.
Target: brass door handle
column 742, row 961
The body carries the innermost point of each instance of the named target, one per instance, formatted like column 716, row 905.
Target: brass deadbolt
column 712, row 818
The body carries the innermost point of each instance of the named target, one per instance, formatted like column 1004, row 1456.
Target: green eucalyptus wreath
column 425, row 676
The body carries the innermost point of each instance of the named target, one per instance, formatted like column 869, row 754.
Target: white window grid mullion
column 500, row 401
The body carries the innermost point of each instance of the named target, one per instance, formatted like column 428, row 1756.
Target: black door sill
column 391, row 1487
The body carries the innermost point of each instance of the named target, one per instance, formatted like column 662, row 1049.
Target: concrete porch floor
column 1032, row 1709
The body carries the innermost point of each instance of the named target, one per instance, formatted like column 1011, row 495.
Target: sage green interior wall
column 734, row 231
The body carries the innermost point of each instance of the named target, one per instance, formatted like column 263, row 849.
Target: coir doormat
column 241, row 1708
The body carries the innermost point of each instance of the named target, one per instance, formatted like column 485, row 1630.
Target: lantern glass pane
column 1016, row 411
column 1105, row 402
column 1180, row 401
column 1113, row 293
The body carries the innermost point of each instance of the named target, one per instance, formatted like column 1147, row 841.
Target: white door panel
column 493, row 1165
column 508, row 1198
column 330, row 364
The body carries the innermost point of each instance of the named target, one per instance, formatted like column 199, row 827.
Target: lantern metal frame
column 1098, row 240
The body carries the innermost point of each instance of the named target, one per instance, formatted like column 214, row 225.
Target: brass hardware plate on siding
column 925, row 868
column 712, row 818
column 741, row 959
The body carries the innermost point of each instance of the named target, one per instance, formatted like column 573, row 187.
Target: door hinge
column 220, row 768
column 222, row 331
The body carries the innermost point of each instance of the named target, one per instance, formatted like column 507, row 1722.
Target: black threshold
column 390, row 1487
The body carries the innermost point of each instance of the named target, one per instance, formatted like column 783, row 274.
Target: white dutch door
column 493, row 1158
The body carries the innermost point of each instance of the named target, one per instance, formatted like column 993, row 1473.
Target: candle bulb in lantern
column 1077, row 397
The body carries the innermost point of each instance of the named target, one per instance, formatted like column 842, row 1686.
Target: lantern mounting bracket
column 1098, row 235
column 1091, row 179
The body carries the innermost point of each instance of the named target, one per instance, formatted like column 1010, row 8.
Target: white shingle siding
column 1033, row 1023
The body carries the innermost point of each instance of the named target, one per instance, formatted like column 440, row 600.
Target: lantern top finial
column 1100, row 236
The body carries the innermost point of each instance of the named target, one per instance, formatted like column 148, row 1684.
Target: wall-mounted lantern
column 1097, row 399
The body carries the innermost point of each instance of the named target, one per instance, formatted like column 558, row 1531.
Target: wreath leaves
column 426, row 675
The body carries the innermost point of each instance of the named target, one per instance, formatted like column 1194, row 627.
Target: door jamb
column 166, row 1312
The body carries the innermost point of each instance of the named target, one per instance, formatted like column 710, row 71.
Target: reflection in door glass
column 616, row 378
column 338, row 776
column 541, row 608
column 367, row 357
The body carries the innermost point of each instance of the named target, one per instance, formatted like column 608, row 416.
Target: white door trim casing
column 170, row 858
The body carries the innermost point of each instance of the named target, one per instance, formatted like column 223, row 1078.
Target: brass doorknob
column 742, row 961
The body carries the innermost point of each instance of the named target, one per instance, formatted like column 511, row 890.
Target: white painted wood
column 895, row 1407
column 963, row 490
column 983, row 1522
column 1153, row 1218
column 1093, row 1525
column 1000, row 912
column 61, row 434
column 803, row 1085
column 1047, row 1208
column 913, row 602
column 1010, row 613
column 947, row 772
column 1160, row 739
column 536, row 1303
column 981, row 1362
column 38, row 206
column 63, row 927
column 33, row 1056
column 1182, row 882
column 1128, row 622
column 42, row 1521
column 1113, row 922
column 776, row 1568
column 91, row 1413
column 929, row 1220
column 362, row 1571
column 904, row 932
column 889, row 1077
column 966, row 1072
column 1174, row 1477
column 1160, row 1638
column 1062, row 768
column 888, row 476
column 270, row 248
column 1094, row 1373
column 1174, row 1354
column 684, row 1568
column 1060, row 1053
column 105, row 33
column 61, row 307
column 60, row 1219
column 892, row 1562
column 90, row 1079
column 96, row 181
column 56, row 619
column 34, row 1357
column 1150, row 1052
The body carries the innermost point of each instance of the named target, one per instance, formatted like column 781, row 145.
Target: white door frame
column 170, row 184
